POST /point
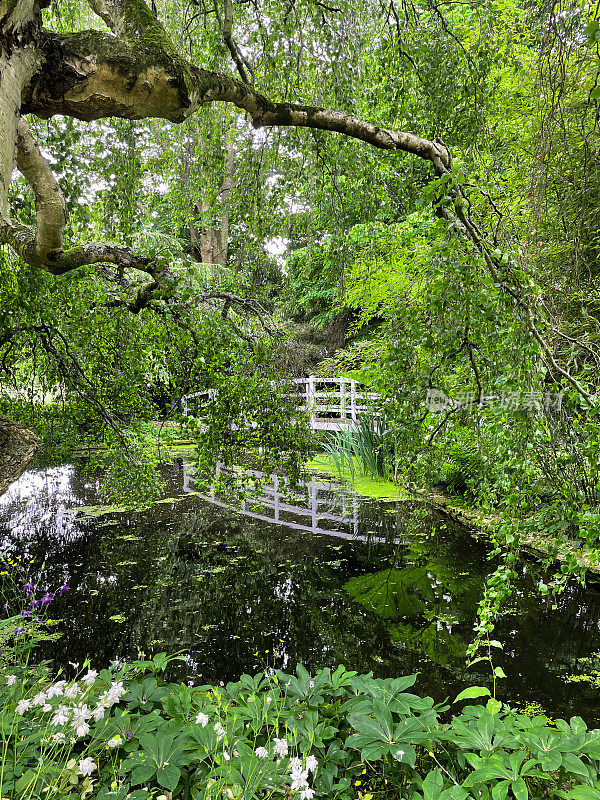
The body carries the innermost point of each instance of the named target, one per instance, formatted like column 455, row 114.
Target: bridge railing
column 341, row 399
column 330, row 402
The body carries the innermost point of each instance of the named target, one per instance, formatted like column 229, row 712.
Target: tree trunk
column 18, row 445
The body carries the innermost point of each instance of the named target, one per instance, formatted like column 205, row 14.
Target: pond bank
column 477, row 521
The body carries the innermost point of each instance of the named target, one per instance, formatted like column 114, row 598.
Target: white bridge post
column 353, row 399
column 314, row 502
column 343, row 399
column 310, row 400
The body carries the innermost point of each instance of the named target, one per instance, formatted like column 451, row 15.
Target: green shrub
column 463, row 468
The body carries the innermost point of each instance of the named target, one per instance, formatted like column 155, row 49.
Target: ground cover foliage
column 127, row 733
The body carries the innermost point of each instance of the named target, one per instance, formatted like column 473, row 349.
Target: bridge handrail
column 344, row 399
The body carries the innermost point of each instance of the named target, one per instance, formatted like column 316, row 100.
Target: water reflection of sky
column 42, row 501
column 186, row 574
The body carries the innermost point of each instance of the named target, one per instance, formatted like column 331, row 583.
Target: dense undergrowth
column 127, row 733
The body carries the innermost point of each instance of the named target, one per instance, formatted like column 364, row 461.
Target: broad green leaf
column 168, row 776
column 472, row 692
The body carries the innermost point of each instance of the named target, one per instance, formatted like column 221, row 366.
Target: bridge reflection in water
column 315, row 506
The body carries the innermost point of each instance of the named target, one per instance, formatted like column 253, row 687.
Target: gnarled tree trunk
column 18, row 445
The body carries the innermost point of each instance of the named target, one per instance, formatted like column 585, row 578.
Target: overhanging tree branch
column 50, row 206
column 138, row 72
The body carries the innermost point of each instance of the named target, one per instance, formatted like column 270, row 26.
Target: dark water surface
column 395, row 592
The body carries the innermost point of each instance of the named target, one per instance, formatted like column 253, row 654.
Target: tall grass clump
column 363, row 444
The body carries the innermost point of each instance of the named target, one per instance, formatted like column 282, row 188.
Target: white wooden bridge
column 312, row 508
column 332, row 403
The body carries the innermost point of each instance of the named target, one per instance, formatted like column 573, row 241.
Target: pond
column 388, row 587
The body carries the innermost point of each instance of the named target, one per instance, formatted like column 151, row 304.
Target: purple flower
column 35, row 603
column 28, row 588
column 129, row 735
column 19, row 630
column 47, row 599
column 64, row 588
column 25, row 613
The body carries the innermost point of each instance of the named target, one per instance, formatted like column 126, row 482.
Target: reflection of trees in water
column 238, row 590
column 200, row 579
column 430, row 598
column 430, row 608
column 36, row 511
column 186, row 575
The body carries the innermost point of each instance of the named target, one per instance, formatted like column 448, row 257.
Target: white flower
column 261, row 752
column 58, row 737
column 226, row 755
column 55, row 689
column 39, row 699
column 87, row 766
column 46, row 707
column 299, row 780
column 311, row 684
column 61, row 716
column 110, row 697
column 98, row 713
column 202, row 719
column 82, row 729
column 10, row 679
column 117, row 689
column 22, row 706
column 307, row 793
column 90, row 677
column 220, row 730
column 312, row 763
column 115, row 741
column 399, row 754
column 72, row 691
column 81, row 714
column 295, row 764
column 281, row 747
